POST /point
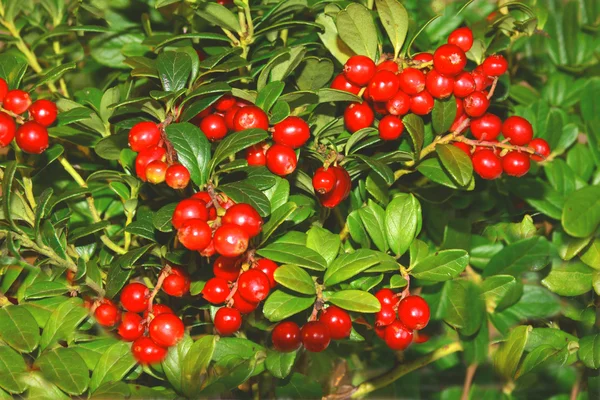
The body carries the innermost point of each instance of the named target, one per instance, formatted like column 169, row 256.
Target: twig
column 166, row 271
column 493, row 88
column 468, row 381
column 483, row 143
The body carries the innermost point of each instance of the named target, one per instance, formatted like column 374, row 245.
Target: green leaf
column 236, row 142
column 314, row 73
column 280, row 364
column 542, row 356
column 66, row 369
column 63, row 321
column 379, row 168
column 456, row 162
column 570, row 280
column 55, row 73
column 589, row 351
column 193, row 149
column 402, row 217
column 394, row 18
column 12, row 68
column 19, row 329
column 299, row 386
column 501, row 291
column 7, row 180
column 295, row 278
column 326, row 95
column 581, row 213
column 277, row 217
column 174, row 69
column 12, row 370
column 441, row 266
column 507, row 357
column 173, row 362
column 357, row 29
column 113, row 365
column 281, row 305
column 327, row 244
column 349, row 265
column 355, row 300
column 195, row 364
column 432, row 168
column 241, row 192
column 162, row 218
column 416, row 129
column 284, row 66
column 219, row 15
column 443, row 115
column 523, row 255
column 331, row 39
column 269, row 95
column 295, row 254
column 373, row 219
column 464, row 308
column 43, row 289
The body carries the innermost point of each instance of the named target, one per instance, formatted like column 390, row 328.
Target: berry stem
column 493, row 88
column 483, row 143
column 166, row 271
column 171, row 153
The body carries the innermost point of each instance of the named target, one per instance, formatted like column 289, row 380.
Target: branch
column 500, row 145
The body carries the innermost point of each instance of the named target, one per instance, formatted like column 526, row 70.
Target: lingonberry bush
column 299, row 199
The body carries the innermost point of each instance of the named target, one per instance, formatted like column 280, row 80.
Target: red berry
column 227, row 321
column 177, row 177
column 227, row 268
column 515, row 163
column 158, row 309
column 476, row 104
column 281, row 160
column 379, row 107
column 250, row 117
column 292, row 132
column 323, row 180
column 340, row 82
column 387, row 296
column 107, row 314
column 242, row 305
column 43, row 112
column 216, row 290
column 189, row 209
column 245, row 216
column 145, row 351
column 413, row 312
column 464, row 147
column 487, row 164
column 340, row 190
column 449, row 59
column 388, row 65
column 195, row 234
column 412, row 81
column 383, row 86
column 214, row 127
column 255, row 155
column 225, row 103
column 385, row 316
column 7, row 129
column 3, row 89
column 462, row 37
column 390, row 127
column 143, row 135
column 145, row 157
column 130, row 327
column 286, row 336
column 397, row 336
column 358, row 116
column 423, row 57
column 487, row 127
column 177, row 283
column 422, row 103
column 156, row 172
column 166, row 330
column 464, row 84
column 359, row 70
column 438, row 85
column 134, row 297
column 460, row 109
column 254, row 285
column 230, row 117
column 268, row 267
column 231, row 240
column 541, row 147
column 517, row 129
column 338, row 321
column 17, row 101
column 421, row 337
column 315, row 336
column 495, row 65
column 482, row 81
column 32, row 137
column 209, row 251
column 399, row 104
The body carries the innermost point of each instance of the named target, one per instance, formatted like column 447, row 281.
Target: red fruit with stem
column 438, row 85
column 134, row 297
column 131, row 327
column 487, row 127
column 281, row 160
column 177, row 283
column 253, row 285
column 385, row 316
column 144, row 135
column 216, row 290
column 230, row 117
column 242, row 305
column 166, row 330
column 292, row 132
column 32, row 137
column 340, row 190
column 358, row 116
column 487, row 164
column 227, row 321
column 397, row 336
column 145, row 351
column 413, row 312
column 388, row 65
column 359, row 70
column 518, row 130
column 460, row 109
column 286, row 337
column 323, row 180
column 231, row 240
column 17, row 101
column 268, row 267
column 464, row 85
column 399, row 104
column 156, row 172
column 476, row 104
column 107, row 313
column 158, row 309
column 245, row 216
column 423, row 57
column 8, row 127
column 177, row 176
column 422, row 103
column 462, row 37
column 464, row 147
column 387, row 296
column 3, row 89
column 195, row 234
column 256, row 155
column 515, row 163
column 458, row 121
column 187, row 210
column 227, row 268
column 340, row 82
column 495, row 149
column 541, row 147
column 145, row 157
column 390, row 127
column 213, row 126
column 412, row 81
column 383, row 86
column 225, row 103
column 449, row 59
column 209, row 251
column 315, row 336
column 495, row 65
column 250, row 117
column 338, row 321
column 482, row 81
column 44, row 112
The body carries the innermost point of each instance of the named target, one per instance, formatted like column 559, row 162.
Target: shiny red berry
column 388, row 65
column 383, row 86
column 390, row 127
column 449, row 59
column 423, row 57
column 145, row 157
column 340, row 82
column 281, row 160
column 487, row 127
column 422, row 103
column 292, row 132
column 254, row 285
column 195, row 234
column 43, row 112
column 323, row 180
column 216, row 290
column 399, row 104
column 487, row 164
column 225, row 103
column 387, row 296
column 438, row 85
column 464, row 84
column 476, row 104
column 8, row 127
column 158, row 309
column 515, row 163
column 130, row 327
column 315, row 336
column 541, row 147
column 166, row 330
column 464, row 147
column 17, row 101
column 518, row 130
column 177, row 176
column 214, row 127
column 3, row 89
column 227, row 268
column 338, row 321
column 268, row 267
column 286, row 337
column 143, row 135
column 412, row 81
column 482, row 81
column 250, row 117
column 413, row 312
column 340, row 190
column 256, row 155
column 242, row 305
column 231, row 240
column 177, row 283
column 495, row 65
column 134, row 297
column 385, row 316
column 359, row 70
column 156, row 172
column 32, row 137
column 358, row 116
column 462, row 37
column 246, row 216
column 230, row 117
column 189, row 209
column 227, row 321
column 145, row 351
column 397, row 336
column 107, row 313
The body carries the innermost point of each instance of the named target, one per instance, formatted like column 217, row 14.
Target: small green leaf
column 570, row 280
column 327, row 244
column 373, row 219
column 12, row 371
column 66, row 369
column 355, row 300
column 357, row 29
column 441, row 266
column 219, row 15
column 349, row 265
column 523, row 255
column 508, row 355
column 195, row 365
column 581, row 213
column 464, row 308
column 113, row 365
column 269, row 95
column 402, row 217
column 236, row 142
column 193, row 149
column 281, row 305
column 241, row 192
column 416, row 129
column 443, row 115
column 280, row 364
column 394, row 18
column 456, row 162
column 294, row 254
column 589, row 351
column 19, row 329
column 295, row 278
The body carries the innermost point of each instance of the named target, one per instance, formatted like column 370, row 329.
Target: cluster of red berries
column 241, row 285
column 398, row 319
column 32, row 135
column 215, row 225
column 151, row 164
column 158, row 329
column 333, row 323
column 332, row 185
